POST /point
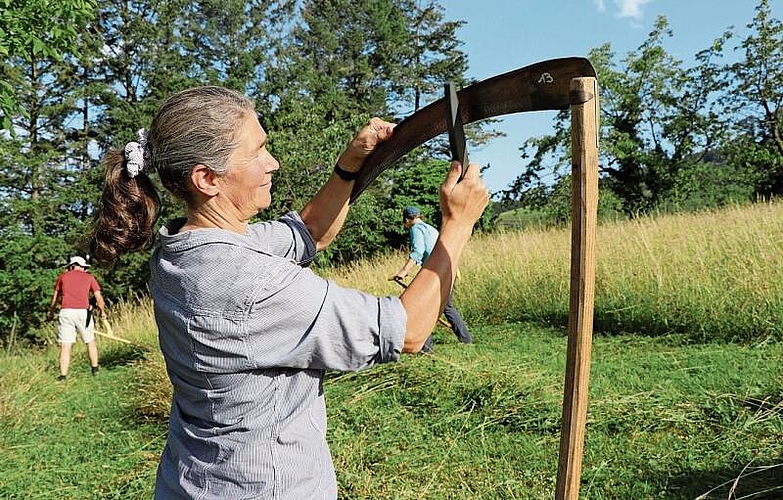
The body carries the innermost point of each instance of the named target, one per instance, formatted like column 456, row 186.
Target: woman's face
column 248, row 182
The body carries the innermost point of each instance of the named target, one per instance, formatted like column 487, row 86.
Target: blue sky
column 501, row 35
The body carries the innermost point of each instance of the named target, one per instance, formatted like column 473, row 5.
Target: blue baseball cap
column 411, row 212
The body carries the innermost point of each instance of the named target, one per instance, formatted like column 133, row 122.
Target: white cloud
column 600, row 5
column 631, row 8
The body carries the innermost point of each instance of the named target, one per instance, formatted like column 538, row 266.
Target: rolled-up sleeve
column 285, row 237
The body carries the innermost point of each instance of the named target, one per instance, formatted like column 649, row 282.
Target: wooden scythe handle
column 584, row 220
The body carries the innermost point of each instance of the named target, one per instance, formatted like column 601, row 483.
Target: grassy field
column 686, row 399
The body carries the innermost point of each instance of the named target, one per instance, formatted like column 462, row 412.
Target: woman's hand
column 364, row 142
column 463, row 202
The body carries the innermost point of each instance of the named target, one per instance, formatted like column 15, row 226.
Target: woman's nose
column 273, row 164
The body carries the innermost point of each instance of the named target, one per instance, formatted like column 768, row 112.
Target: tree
column 432, row 56
column 95, row 96
column 754, row 100
column 326, row 82
column 657, row 117
column 37, row 29
column 43, row 189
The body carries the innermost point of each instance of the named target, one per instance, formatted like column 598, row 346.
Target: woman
column 246, row 329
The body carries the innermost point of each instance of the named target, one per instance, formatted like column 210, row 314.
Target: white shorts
column 72, row 321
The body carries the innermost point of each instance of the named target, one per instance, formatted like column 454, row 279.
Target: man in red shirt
column 74, row 287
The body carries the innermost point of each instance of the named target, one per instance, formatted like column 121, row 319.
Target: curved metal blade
column 542, row 86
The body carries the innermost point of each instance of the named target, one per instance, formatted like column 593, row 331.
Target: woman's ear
column 204, row 181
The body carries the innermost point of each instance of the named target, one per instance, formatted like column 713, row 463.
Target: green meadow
column 686, row 388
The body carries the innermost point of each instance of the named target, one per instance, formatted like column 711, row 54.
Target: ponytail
column 128, row 210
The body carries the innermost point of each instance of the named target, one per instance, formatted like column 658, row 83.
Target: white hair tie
column 134, row 154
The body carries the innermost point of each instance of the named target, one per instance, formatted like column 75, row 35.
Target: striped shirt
column 247, row 332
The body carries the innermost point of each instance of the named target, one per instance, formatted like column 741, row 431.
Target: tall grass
column 130, row 320
column 713, row 275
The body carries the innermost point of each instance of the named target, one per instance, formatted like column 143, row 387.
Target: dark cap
column 411, row 212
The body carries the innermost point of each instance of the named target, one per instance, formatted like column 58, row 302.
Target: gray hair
column 196, row 126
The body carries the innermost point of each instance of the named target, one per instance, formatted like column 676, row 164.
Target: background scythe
column 555, row 84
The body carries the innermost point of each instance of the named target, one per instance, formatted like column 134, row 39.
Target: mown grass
column 676, row 411
column 79, row 439
column 666, row 421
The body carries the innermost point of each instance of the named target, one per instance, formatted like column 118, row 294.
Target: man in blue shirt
column 423, row 237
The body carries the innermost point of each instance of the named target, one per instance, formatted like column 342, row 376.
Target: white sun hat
column 76, row 260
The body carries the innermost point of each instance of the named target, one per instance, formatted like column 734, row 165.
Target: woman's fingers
column 375, row 132
column 365, row 142
column 473, row 171
column 452, row 176
column 472, row 174
column 382, row 129
column 464, row 199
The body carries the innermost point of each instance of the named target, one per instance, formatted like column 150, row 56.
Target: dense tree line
column 78, row 77
column 317, row 69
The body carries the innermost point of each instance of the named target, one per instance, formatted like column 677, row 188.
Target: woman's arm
column 325, row 214
column 461, row 203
